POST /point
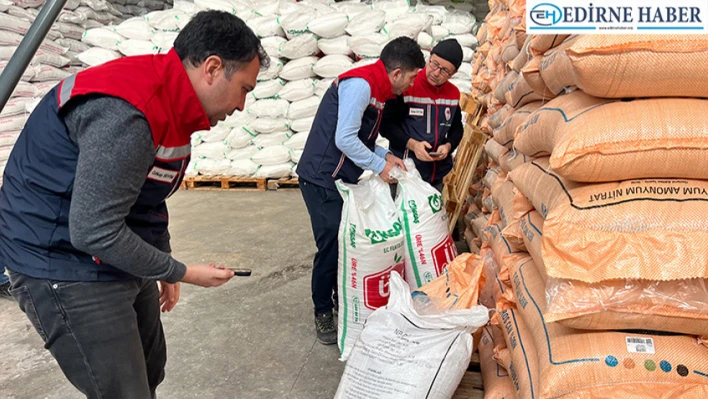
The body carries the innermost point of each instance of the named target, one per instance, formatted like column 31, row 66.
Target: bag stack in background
column 597, row 186
column 85, row 33
column 309, row 42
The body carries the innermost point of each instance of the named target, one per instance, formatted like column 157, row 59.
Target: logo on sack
column 443, row 254
column 448, row 113
column 435, row 202
column 376, row 286
column 380, row 236
column 606, row 16
column 357, row 311
column 352, row 235
column 414, row 211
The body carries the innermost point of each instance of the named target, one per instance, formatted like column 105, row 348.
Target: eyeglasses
column 443, row 71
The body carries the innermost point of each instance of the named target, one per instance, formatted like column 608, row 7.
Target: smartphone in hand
column 240, row 272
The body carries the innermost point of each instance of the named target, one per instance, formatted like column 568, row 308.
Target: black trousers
column 325, row 209
column 106, row 336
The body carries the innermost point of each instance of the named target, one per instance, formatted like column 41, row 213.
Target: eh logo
column 546, row 14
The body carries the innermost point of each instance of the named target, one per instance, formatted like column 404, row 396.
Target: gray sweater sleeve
column 115, row 153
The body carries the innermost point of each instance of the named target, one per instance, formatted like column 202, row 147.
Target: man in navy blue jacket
column 341, row 145
column 425, row 122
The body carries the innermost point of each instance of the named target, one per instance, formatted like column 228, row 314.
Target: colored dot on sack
column 650, row 365
column 665, row 366
column 629, row 363
column 611, row 361
column 682, row 370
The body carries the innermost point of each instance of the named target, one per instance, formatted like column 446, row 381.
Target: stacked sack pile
column 598, row 244
column 310, row 43
column 66, row 50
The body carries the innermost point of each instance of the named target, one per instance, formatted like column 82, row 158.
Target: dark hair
column 403, row 53
column 223, row 35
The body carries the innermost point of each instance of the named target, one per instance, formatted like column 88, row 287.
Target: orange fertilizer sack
column 512, row 160
column 524, row 56
column 509, row 48
column 459, row 285
column 491, row 176
column 503, row 86
column 501, row 247
column 479, row 224
column 542, row 43
column 512, row 207
column 532, row 228
column 554, row 66
column 495, row 150
column 523, row 369
column 637, row 229
column 519, row 93
column 496, row 379
column 541, row 185
column 504, row 133
column 500, row 116
column 581, row 364
column 532, row 74
column 595, row 140
column 623, row 66
column 676, row 306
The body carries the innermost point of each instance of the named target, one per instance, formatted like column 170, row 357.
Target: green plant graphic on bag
column 435, row 202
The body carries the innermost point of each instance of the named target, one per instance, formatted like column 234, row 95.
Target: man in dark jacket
column 425, row 123
column 83, row 220
column 341, row 145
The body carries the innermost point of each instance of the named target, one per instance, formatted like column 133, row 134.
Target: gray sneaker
column 326, row 329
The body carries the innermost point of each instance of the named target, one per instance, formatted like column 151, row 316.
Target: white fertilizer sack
column 269, row 108
column 410, row 349
column 331, row 66
column 297, row 90
column 267, row 89
column 366, row 23
column 337, row 45
column 329, row 25
column 299, row 69
column 429, row 247
column 300, row 46
column 370, row 247
column 303, row 108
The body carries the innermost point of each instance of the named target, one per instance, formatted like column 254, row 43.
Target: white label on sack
column 640, row 345
column 163, row 175
column 416, row 112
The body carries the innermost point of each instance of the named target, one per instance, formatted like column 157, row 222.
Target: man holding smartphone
column 425, row 122
column 83, row 219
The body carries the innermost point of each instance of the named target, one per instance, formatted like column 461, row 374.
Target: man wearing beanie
column 425, row 123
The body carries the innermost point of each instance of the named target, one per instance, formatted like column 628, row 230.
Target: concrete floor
column 251, row 338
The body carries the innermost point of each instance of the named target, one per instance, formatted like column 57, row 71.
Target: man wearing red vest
column 425, row 123
column 83, row 220
column 341, row 145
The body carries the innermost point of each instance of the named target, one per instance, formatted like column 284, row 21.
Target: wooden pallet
column 468, row 154
column 471, row 386
column 214, row 183
column 285, row 183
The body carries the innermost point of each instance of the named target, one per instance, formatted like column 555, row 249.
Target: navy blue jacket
column 322, row 163
column 425, row 113
column 35, row 197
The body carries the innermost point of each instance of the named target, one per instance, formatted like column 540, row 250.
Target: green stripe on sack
column 411, row 254
column 344, row 275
